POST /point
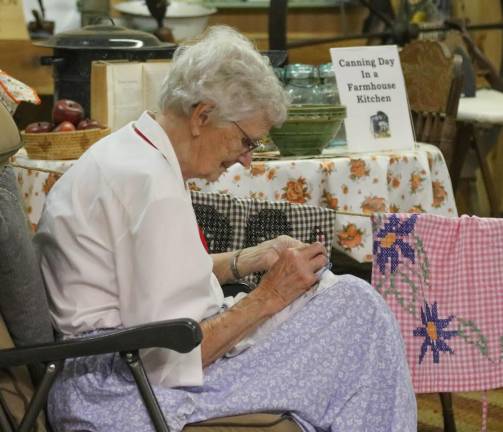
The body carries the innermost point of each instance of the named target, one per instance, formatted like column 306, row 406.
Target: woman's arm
column 292, row 275
column 253, row 259
column 249, row 261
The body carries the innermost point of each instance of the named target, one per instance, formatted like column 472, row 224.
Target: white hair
column 225, row 68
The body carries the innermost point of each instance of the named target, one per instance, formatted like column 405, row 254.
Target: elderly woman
column 120, row 246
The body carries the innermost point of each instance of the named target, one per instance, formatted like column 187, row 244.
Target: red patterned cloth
column 443, row 278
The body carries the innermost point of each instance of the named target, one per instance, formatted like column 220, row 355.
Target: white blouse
column 120, row 246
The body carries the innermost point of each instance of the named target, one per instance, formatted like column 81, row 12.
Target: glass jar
column 328, row 87
column 301, row 84
column 330, row 96
column 280, row 73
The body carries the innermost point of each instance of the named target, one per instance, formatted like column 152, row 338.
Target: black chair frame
column 181, row 335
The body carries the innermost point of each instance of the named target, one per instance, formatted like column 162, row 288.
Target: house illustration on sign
column 379, row 125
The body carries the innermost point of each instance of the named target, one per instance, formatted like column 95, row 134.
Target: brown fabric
column 15, row 384
column 247, row 422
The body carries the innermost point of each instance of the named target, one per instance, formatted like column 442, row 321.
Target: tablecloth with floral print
column 412, row 181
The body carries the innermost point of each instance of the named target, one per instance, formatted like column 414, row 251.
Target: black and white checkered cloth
column 231, row 223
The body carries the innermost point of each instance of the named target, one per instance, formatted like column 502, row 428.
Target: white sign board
column 372, row 87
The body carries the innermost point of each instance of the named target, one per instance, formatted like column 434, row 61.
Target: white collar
column 153, row 131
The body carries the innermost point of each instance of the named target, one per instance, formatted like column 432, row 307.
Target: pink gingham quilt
column 443, row 279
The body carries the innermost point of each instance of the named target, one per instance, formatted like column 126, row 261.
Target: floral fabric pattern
column 442, row 278
column 358, row 169
column 350, row 237
column 336, row 364
column 434, row 333
column 414, row 181
column 390, row 240
column 296, row 191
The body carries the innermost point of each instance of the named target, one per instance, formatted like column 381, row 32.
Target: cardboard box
column 12, row 21
column 121, row 90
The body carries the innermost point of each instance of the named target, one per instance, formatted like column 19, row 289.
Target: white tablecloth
column 406, row 181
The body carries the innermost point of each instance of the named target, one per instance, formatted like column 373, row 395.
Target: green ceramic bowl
column 317, row 110
column 308, row 129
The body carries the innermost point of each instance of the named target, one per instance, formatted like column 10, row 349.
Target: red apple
column 88, row 124
column 39, row 127
column 65, row 126
column 67, row 110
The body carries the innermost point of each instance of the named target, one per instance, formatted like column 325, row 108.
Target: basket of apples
column 70, row 134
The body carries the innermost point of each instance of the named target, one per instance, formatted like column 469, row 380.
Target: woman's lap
column 337, row 364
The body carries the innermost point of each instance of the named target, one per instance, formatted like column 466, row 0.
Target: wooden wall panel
column 484, row 11
column 21, row 59
column 302, row 24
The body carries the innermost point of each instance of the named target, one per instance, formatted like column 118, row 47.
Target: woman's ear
column 200, row 117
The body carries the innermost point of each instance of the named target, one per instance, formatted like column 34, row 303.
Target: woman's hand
column 253, row 259
column 293, row 274
column 270, row 250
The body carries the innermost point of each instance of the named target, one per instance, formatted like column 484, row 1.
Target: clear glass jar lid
column 300, row 71
column 326, row 71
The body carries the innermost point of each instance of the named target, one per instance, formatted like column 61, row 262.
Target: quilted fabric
column 443, row 279
column 232, row 223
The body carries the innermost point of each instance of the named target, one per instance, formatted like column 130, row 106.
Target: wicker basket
column 61, row 145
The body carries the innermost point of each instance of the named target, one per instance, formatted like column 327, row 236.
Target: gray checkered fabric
column 231, row 223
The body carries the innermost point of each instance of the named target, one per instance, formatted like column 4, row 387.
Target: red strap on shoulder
column 203, row 239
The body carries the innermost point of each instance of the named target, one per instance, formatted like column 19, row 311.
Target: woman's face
column 220, row 146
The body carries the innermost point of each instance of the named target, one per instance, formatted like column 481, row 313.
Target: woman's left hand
column 262, row 257
column 270, row 250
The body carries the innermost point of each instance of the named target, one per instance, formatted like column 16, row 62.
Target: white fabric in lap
column 327, row 280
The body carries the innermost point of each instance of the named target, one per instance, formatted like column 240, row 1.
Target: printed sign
column 372, row 87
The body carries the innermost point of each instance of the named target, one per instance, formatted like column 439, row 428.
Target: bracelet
column 234, row 265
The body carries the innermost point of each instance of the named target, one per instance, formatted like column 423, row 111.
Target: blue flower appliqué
column 389, row 240
column 434, row 333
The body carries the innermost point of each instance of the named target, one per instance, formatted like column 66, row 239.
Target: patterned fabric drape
column 443, row 279
column 231, row 223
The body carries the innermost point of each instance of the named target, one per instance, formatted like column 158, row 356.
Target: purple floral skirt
column 337, row 364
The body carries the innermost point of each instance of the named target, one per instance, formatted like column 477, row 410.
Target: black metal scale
column 397, row 28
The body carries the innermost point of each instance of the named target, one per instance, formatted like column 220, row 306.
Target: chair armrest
column 233, row 289
column 181, row 335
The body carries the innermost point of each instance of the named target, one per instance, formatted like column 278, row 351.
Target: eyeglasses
column 249, row 143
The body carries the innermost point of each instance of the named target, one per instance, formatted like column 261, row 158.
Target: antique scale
column 395, row 28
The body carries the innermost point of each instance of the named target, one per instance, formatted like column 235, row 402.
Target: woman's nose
column 245, row 159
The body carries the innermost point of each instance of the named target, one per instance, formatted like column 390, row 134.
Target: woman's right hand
column 293, row 274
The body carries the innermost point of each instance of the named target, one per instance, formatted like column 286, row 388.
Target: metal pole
column 318, row 41
column 278, row 12
column 40, row 398
column 5, row 421
column 149, row 399
column 382, row 16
